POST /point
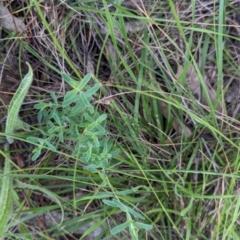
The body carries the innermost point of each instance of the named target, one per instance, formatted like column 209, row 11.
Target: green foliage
column 130, row 223
column 162, row 175
column 74, row 120
column 8, row 194
column 13, row 121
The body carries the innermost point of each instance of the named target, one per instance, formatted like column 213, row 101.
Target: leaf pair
column 130, row 223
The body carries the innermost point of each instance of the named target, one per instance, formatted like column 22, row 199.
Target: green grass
column 178, row 161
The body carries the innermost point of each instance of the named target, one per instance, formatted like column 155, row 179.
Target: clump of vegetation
column 74, row 120
column 140, row 140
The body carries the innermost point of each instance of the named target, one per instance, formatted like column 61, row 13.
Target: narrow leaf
column 84, row 81
column 143, row 226
column 91, row 168
column 120, row 205
column 57, row 119
column 51, row 147
column 120, row 228
column 102, row 118
column 70, row 81
column 109, row 203
column 70, row 97
column 32, row 139
column 36, row 155
column 92, row 90
column 100, row 195
column 86, row 102
column 54, row 97
column 16, row 103
column 93, row 228
column 78, row 108
column 6, row 189
column 40, row 105
column 135, row 214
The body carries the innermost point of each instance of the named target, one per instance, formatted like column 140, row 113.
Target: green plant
column 7, row 191
column 131, row 224
column 166, row 68
column 74, row 120
column 8, row 195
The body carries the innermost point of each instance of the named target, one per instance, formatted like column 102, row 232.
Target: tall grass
column 179, row 149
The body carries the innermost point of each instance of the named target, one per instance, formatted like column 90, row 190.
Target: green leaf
column 77, row 85
column 53, row 111
column 52, row 130
column 41, row 141
column 135, row 214
column 54, row 97
column 86, row 103
column 101, row 129
column 94, row 227
column 188, row 208
column 120, row 228
column 16, row 103
column 89, row 93
column 78, row 108
column 84, row 81
column 41, row 105
column 109, row 203
column 57, row 119
column 51, row 147
column 39, row 116
column 133, row 231
column 120, row 205
column 91, row 168
column 70, row 81
column 99, row 195
column 115, row 152
column 107, row 145
column 70, row 98
column 101, row 118
column 85, row 157
column 142, row 226
column 96, row 142
column 88, row 117
column 5, row 195
column 105, row 155
column 61, row 137
column 50, row 124
column 45, row 114
column 37, row 153
column 125, row 192
column 32, row 139
column 24, row 231
column 93, row 125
